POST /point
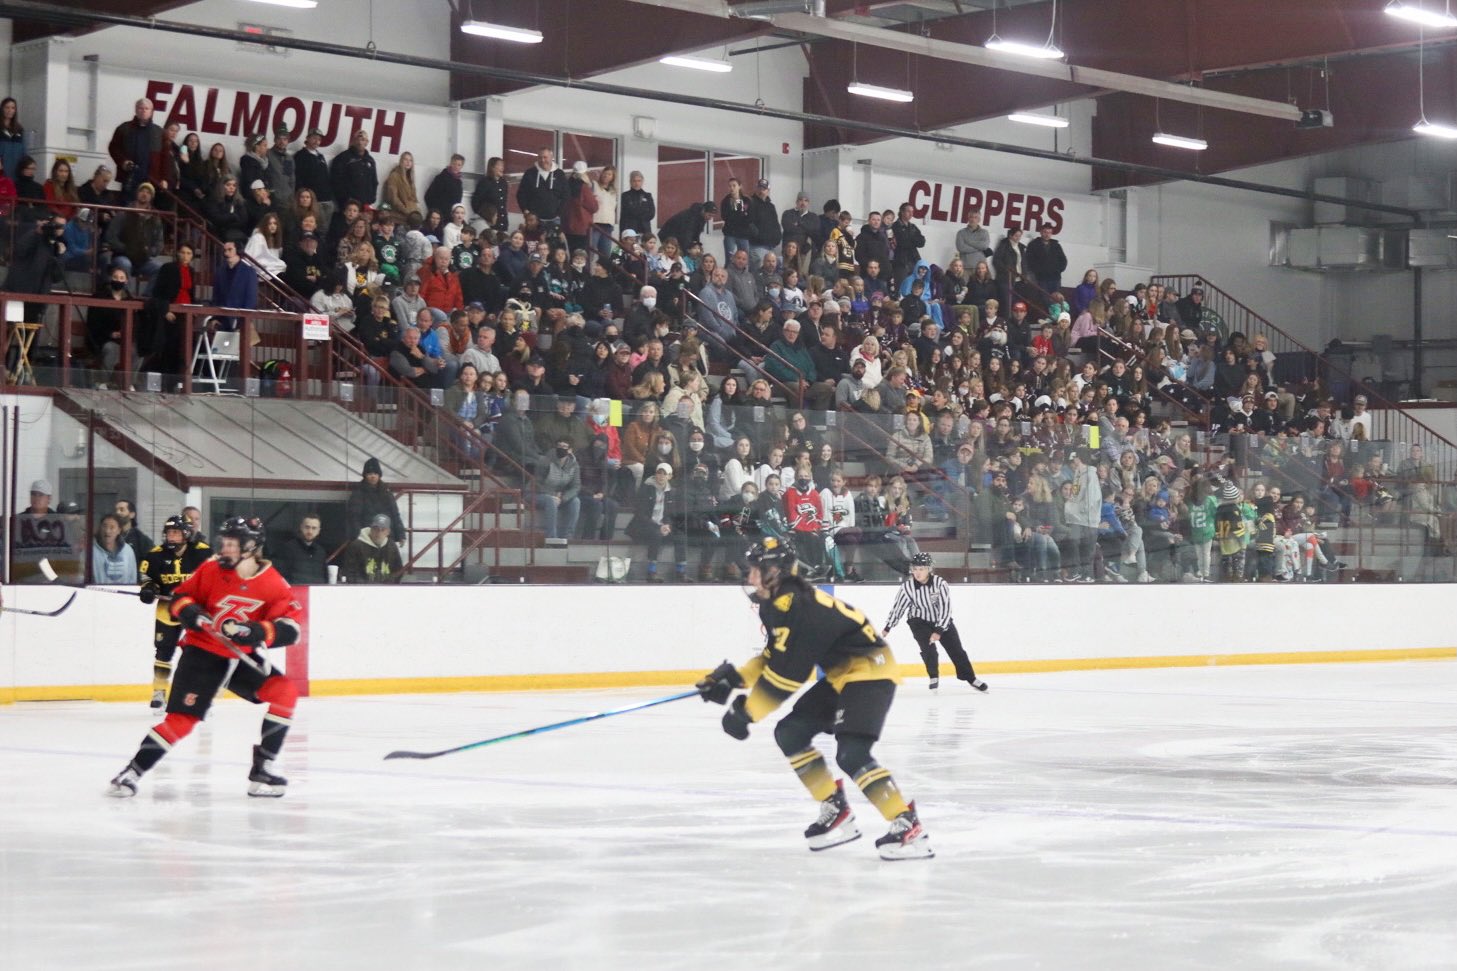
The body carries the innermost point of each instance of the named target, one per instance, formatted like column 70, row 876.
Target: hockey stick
column 42, row 613
column 545, row 728
column 265, row 669
column 163, row 598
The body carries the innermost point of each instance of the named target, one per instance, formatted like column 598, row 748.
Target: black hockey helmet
column 921, row 559
column 179, row 523
column 772, row 551
column 247, row 530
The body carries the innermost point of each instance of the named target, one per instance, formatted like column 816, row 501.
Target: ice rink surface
column 1259, row 817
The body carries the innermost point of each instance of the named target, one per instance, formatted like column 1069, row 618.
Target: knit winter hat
column 1229, row 492
column 372, row 465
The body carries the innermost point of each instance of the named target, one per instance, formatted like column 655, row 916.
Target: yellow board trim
column 647, row 679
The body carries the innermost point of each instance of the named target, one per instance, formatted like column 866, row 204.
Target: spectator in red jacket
column 580, row 207
column 439, row 287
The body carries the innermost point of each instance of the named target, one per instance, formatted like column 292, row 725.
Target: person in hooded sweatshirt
column 370, row 498
column 370, row 557
column 543, row 189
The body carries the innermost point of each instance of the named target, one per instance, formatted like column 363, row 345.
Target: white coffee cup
column 333, row 573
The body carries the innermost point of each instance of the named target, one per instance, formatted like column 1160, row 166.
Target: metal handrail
column 768, row 352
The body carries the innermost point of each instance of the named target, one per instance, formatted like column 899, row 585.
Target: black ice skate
column 978, row 684
column 906, row 839
column 159, row 698
column 124, row 786
column 836, row 824
column 261, row 781
column 935, row 683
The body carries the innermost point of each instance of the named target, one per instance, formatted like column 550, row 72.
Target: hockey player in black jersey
column 806, row 627
column 927, row 599
column 168, row 563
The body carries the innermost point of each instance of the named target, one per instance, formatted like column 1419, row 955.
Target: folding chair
column 214, row 357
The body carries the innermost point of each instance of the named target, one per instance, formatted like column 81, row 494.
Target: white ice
column 1263, row 817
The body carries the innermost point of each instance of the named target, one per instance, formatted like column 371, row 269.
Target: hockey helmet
column 772, row 551
column 181, row 524
column 921, row 559
column 247, row 530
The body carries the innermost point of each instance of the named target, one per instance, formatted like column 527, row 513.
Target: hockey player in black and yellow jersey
column 807, row 628
column 170, row 562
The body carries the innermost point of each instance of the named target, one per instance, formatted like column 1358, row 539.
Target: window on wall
column 687, row 175
column 521, row 145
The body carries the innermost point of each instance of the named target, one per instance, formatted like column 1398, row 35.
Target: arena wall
column 427, row 639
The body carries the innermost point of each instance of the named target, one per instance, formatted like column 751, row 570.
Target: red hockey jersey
column 804, row 510
column 222, row 594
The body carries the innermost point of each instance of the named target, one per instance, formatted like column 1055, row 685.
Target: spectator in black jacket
column 737, row 224
column 1046, row 261
column 35, row 267
column 489, row 198
column 300, row 558
column 311, row 171
column 480, row 284
column 871, row 245
column 764, row 234
column 636, row 210
column 801, row 226
column 370, row 497
column 543, row 190
column 376, row 329
column 908, row 242
column 353, row 173
column 687, row 226
column 831, row 363
column 446, row 191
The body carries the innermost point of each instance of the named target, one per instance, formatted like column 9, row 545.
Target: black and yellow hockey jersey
column 167, row 569
column 807, row 628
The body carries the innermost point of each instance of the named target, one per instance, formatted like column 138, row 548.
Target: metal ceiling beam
column 54, row 13
column 967, row 54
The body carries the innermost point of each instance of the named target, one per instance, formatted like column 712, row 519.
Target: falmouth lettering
column 219, row 111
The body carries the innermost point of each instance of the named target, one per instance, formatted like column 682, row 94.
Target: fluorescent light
column 1046, row 121
column 483, row 28
column 1046, row 52
column 1180, row 141
column 1417, row 14
column 1434, row 128
column 697, row 63
column 299, row 4
column 884, row 94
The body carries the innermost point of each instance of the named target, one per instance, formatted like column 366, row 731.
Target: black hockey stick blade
column 42, row 613
column 544, row 728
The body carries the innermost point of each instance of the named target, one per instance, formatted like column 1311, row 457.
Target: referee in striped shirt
column 927, row 599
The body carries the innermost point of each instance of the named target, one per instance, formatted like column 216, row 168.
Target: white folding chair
column 213, row 359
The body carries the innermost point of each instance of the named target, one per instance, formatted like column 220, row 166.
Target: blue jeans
column 557, row 521
column 731, row 245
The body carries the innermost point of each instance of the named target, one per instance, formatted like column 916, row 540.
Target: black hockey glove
column 192, row 616
column 149, row 592
column 717, row 685
column 244, row 635
column 736, row 719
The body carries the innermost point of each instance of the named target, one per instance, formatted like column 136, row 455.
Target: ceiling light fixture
column 884, row 94
column 298, row 4
column 1417, row 14
column 1046, row 121
column 1432, row 129
column 1180, row 141
column 1435, row 129
column 697, row 63
column 1047, row 51
column 517, row 35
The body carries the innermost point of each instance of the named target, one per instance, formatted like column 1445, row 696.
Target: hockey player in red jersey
column 231, row 609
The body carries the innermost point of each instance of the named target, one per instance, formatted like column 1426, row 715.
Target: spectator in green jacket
column 792, row 368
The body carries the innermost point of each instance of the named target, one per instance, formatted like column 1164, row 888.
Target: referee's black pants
column 951, row 641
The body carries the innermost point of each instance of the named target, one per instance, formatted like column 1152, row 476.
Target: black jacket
column 803, row 228
column 636, row 211
column 478, row 286
column 35, row 266
column 310, row 171
column 908, row 242
column 763, row 222
column 229, row 219
column 489, row 200
column 1003, row 262
column 365, row 503
column 1045, row 259
column 830, row 365
column 300, row 562
column 872, row 245
column 686, row 227
column 545, row 195
column 736, row 218
column 354, row 176
column 444, row 193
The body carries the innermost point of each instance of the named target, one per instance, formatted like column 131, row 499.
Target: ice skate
column 159, row 699
column 906, row 839
column 836, row 824
column 935, row 683
column 124, row 786
column 261, row 781
column 978, row 684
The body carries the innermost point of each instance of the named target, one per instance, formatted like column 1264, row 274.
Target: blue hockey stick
column 545, row 728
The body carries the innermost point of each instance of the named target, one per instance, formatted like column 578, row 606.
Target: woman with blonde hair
column 399, row 188
column 653, row 388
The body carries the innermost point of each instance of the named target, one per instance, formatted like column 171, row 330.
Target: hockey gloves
column 192, row 616
column 736, row 719
column 244, row 635
column 719, row 684
column 149, row 592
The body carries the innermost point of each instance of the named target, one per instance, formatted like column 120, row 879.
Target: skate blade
column 120, row 792
column 847, row 832
column 262, row 790
column 919, row 849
